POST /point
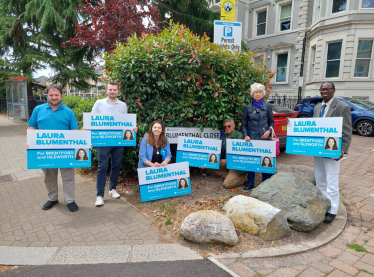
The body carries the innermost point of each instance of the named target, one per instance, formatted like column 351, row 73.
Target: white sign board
column 172, row 133
column 229, row 34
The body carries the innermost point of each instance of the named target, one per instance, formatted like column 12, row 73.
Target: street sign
column 228, row 10
column 228, row 34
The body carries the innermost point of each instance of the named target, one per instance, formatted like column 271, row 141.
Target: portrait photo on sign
column 182, row 183
column 266, row 162
column 332, row 143
column 81, row 154
column 128, row 135
column 213, row 158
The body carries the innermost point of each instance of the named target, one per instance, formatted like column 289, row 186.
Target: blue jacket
column 146, row 152
column 256, row 121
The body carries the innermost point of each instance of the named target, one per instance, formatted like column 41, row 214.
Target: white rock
column 257, row 218
column 209, row 227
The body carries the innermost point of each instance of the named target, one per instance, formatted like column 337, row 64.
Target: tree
column 195, row 14
column 35, row 34
column 113, row 21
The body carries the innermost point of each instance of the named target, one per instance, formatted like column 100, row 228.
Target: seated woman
column 154, row 149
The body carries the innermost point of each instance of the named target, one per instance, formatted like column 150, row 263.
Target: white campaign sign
column 315, row 127
column 58, row 139
column 172, row 133
column 150, row 175
column 229, row 34
column 108, row 121
column 199, row 145
column 253, row 148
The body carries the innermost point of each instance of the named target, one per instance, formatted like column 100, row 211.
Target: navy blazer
column 146, row 152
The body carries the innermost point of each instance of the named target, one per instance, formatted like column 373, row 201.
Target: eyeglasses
column 326, row 89
column 227, row 126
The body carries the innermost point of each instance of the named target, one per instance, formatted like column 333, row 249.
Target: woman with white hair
column 257, row 124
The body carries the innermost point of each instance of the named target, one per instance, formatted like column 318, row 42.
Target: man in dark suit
column 326, row 170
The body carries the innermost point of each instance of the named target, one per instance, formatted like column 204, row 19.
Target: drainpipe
column 301, row 81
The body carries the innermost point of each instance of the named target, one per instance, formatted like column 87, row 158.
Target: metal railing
column 285, row 101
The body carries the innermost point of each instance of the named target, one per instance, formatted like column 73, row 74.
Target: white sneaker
column 114, row 193
column 99, row 201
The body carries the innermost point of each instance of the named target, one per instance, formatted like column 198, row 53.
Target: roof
column 41, row 79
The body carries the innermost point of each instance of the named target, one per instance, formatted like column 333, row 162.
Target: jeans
column 103, row 153
column 252, row 175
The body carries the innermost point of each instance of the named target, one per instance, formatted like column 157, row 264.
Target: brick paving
column 334, row 259
column 24, row 223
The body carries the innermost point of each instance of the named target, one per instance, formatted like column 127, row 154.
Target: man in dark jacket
column 233, row 178
column 326, row 170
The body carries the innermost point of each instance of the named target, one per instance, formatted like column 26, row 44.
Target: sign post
column 255, row 156
column 228, row 34
column 317, row 136
column 172, row 133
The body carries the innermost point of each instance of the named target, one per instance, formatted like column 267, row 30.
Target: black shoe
column 248, row 188
column 49, row 204
column 329, row 218
column 73, row 207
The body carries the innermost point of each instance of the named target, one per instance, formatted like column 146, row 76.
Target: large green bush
column 183, row 79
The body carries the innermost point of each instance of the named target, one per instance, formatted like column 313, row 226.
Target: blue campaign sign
column 199, row 152
column 320, row 136
column 164, row 182
column 111, row 129
column 58, row 149
column 255, row 156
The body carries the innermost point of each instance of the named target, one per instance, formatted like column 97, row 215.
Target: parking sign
column 228, row 34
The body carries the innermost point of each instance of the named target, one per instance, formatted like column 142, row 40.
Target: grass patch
column 168, row 222
column 364, row 270
column 357, row 248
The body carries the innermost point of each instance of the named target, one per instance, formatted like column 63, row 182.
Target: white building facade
column 338, row 45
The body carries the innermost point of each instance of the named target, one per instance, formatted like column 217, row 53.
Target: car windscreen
column 359, row 104
column 279, row 109
column 369, row 103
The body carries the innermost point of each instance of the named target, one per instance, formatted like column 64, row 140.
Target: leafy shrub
column 183, row 79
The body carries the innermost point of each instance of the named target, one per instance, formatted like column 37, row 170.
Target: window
column 261, row 23
column 285, row 17
column 282, row 68
column 333, row 59
column 313, row 61
column 363, row 60
column 318, row 9
column 339, row 6
column 367, row 4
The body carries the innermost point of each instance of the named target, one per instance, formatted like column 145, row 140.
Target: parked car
column 280, row 115
column 362, row 113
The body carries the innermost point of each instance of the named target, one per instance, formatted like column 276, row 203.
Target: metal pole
column 301, row 70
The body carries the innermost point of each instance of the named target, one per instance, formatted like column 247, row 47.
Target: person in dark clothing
column 257, row 124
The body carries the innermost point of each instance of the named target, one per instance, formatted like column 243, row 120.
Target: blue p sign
column 227, row 31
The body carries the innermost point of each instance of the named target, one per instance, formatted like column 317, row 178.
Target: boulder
column 257, row 218
column 209, row 227
column 302, row 171
column 303, row 203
